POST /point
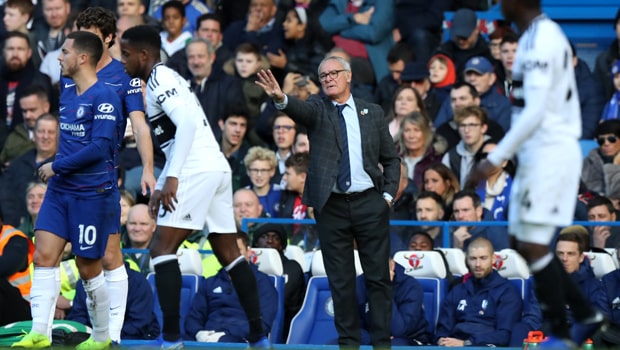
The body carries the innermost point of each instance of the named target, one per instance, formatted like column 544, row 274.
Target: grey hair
column 210, row 49
column 345, row 65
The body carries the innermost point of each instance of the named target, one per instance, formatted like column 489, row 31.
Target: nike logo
column 86, row 248
column 62, row 108
column 114, row 308
column 68, row 85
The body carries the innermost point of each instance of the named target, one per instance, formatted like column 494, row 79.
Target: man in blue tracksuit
column 140, row 320
column 216, row 314
column 408, row 326
column 484, row 308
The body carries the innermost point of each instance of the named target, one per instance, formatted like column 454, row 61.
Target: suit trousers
column 362, row 217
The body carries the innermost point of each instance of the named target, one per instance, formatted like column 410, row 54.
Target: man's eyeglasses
column 332, row 75
column 258, row 171
column 283, row 127
column 469, row 125
column 610, row 139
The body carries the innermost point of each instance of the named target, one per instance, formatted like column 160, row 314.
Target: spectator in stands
column 216, row 314
column 247, row 62
column 591, row 98
column 601, row 167
column 18, row 73
column 612, row 109
column 463, row 94
column 569, row 249
column 283, row 137
column 422, row 240
column 260, row 164
column 140, row 229
column 409, row 326
column 495, row 40
column 364, row 31
column 33, row 103
column 130, row 7
column 465, row 40
column 468, row 207
column 35, row 192
column 274, row 236
column 173, row 38
column 494, row 191
column 124, row 22
column 442, row 76
column 419, row 24
column 398, row 55
column 22, row 170
column 503, row 71
column 260, row 28
column 601, row 209
column 233, row 144
column 416, row 74
column 405, row 101
column 439, row 179
column 140, row 320
column 472, row 126
column 216, row 92
column 429, row 206
column 484, row 308
column 404, row 203
column 50, row 35
column 611, row 286
column 16, row 253
column 304, row 47
column 302, row 143
column 247, row 205
column 606, row 59
column 209, row 27
column 418, row 152
column 17, row 14
column 193, row 9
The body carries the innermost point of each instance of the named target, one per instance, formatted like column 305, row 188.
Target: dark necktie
column 344, row 170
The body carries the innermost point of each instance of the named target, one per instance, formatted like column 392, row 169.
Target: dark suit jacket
column 320, row 117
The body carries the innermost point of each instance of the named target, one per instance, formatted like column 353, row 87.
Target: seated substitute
column 483, row 309
column 216, row 315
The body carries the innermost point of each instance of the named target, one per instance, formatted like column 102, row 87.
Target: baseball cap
column 270, row 227
column 414, row 71
column 479, row 64
column 464, row 22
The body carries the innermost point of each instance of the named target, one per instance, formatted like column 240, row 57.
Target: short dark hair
column 432, row 195
column 600, row 200
column 472, row 90
column 89, row 43
column 100, row 18
column 237, row 111
column 208, row 17
column 475, row 198
column 143, row 37
column 401, row 51
column 421, row 233
column 299, row 162
column 37, row 90
column 175, row 4
column 574, row 237
column 16, row 34
column 609, row 127
column 509, row 37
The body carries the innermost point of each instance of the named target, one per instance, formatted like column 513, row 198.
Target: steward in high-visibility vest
column 20, row 279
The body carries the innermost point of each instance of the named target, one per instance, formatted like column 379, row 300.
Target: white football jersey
column 180, row 125
column 546, row 112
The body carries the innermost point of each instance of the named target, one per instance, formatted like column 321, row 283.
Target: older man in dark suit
column 352, row 179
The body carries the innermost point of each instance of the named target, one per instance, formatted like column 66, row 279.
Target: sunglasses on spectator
column 610, row 139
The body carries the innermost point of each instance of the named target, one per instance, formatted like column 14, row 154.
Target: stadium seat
column 602, row 263
column 318, row 269
column 189, row 288
column 190, row 262
column 314, row 323
column 456, row 260
column 586, row 146
column 269, row 262
column 428, row 268
column 296, row 253
column 511, row 265
column 614, row 255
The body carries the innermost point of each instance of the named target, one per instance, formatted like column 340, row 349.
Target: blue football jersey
column 85, row 120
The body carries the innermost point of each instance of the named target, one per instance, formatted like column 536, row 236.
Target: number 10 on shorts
column 88, row 234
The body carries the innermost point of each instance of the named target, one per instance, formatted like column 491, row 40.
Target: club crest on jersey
column 80, row 112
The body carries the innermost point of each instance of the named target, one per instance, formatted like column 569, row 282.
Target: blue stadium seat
column 189, row 288
column 268, row 261
column 277, row 328
column 434, row 293
column 314, row 324
column 586, row 146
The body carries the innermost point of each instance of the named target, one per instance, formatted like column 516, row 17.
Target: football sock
column 168, row 282
column 98, row 305
column 117, row 283
column 43, row 296
column 244, row 281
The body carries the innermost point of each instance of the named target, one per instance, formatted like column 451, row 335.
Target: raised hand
column 268, row 82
